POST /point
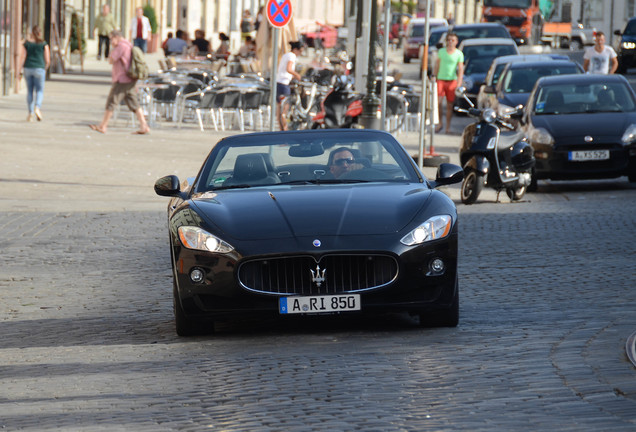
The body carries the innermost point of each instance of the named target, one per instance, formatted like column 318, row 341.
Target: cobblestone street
column 88, row 340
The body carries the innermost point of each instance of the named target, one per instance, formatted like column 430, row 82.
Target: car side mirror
column 489, row 89
column 617, row 32
column 448, row 174
column 439, row 45
column 167, row 186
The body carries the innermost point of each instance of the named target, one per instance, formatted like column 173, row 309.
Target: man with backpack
column 124, row 87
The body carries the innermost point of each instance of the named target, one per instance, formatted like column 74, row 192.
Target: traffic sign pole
column 278, row 13
column 273, row 100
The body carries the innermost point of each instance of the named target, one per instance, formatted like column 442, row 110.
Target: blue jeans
column 141, row 43
column 35, row 82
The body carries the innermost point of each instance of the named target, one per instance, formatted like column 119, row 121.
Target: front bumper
column 554, row 163
column 220, row 295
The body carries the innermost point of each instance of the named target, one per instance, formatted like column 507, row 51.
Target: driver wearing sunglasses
column 342, row 161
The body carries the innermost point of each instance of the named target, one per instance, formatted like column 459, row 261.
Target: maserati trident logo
column 318, row 276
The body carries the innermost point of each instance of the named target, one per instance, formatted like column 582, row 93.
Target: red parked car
column 322, row 36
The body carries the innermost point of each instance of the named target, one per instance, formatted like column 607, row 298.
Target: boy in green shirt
column 449, row 70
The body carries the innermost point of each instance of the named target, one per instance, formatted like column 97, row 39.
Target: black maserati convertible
column 311, row 222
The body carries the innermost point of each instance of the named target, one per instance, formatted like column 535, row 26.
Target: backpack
column 138, row 68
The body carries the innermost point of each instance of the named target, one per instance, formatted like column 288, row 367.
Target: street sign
column 279, row 12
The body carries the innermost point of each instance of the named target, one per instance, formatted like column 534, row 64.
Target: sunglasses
column 342, row 162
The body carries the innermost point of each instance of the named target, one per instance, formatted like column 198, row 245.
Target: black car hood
column 609, row 126
column 478, row 80
column 280, row 211
column 514, row 99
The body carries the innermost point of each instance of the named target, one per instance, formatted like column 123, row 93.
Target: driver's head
column 341, row 161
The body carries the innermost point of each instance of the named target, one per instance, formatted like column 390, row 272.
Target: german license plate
column 588, row 155
column 319, row 304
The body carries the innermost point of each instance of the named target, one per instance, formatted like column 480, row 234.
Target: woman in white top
column 285, row 73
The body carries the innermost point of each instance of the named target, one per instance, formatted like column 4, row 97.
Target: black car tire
column 534, row 186
column 187, row 326
column 631, row 177
column 515, row 194
column 448, row 317
column 471, row 187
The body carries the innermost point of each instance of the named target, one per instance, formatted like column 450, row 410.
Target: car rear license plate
column 319, row 304
column 588, row 155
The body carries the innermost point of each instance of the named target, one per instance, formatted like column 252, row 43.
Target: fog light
column 437, row 266
column 197, row 275
column 541, row 155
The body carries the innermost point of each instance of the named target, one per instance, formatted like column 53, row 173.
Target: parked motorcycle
column 341, row 107
column 494, row 155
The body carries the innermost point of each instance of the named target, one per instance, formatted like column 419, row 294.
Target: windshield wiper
column 238, row 186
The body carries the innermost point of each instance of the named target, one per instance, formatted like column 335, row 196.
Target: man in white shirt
column 600, row 59
column 140, row 30
column 285, row 73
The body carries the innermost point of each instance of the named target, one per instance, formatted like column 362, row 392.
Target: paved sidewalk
column 44, row 161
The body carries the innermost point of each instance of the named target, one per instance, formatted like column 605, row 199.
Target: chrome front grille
column 301, row 275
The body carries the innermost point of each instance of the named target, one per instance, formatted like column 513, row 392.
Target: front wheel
column 184, row 325
column 632, row 177
column 471, row 187
column 516, row 193
column 443, row 317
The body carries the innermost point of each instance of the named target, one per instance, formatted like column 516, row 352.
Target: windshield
column 481, row 32
column 583, row 98
column 434, row 38
column 303, row 158
column 478, row 65
column 490, row 51
column 630, row 28
column 419, row 29
column 522, row 80
column 522, row 4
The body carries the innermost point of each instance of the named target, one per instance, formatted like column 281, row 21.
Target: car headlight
column 199, row 239
column 628, row 45
column 541, row 136
column 505, row 110
column 630, row 134
column 434, row 228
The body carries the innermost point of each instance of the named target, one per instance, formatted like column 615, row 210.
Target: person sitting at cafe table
column 248, row 49
column 175, row 46
column 223, row 51
column 201, row 43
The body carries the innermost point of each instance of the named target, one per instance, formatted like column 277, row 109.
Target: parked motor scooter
column 493, row 155
column 341, row 107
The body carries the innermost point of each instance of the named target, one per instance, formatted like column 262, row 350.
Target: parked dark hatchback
column 626, row 50
column 517, row 80
column 311, row 222
column 582, row 127
column 497, row 66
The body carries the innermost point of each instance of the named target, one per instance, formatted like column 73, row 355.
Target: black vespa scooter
column 493, row 155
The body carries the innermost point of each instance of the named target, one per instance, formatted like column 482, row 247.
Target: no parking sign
column 279, row 12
